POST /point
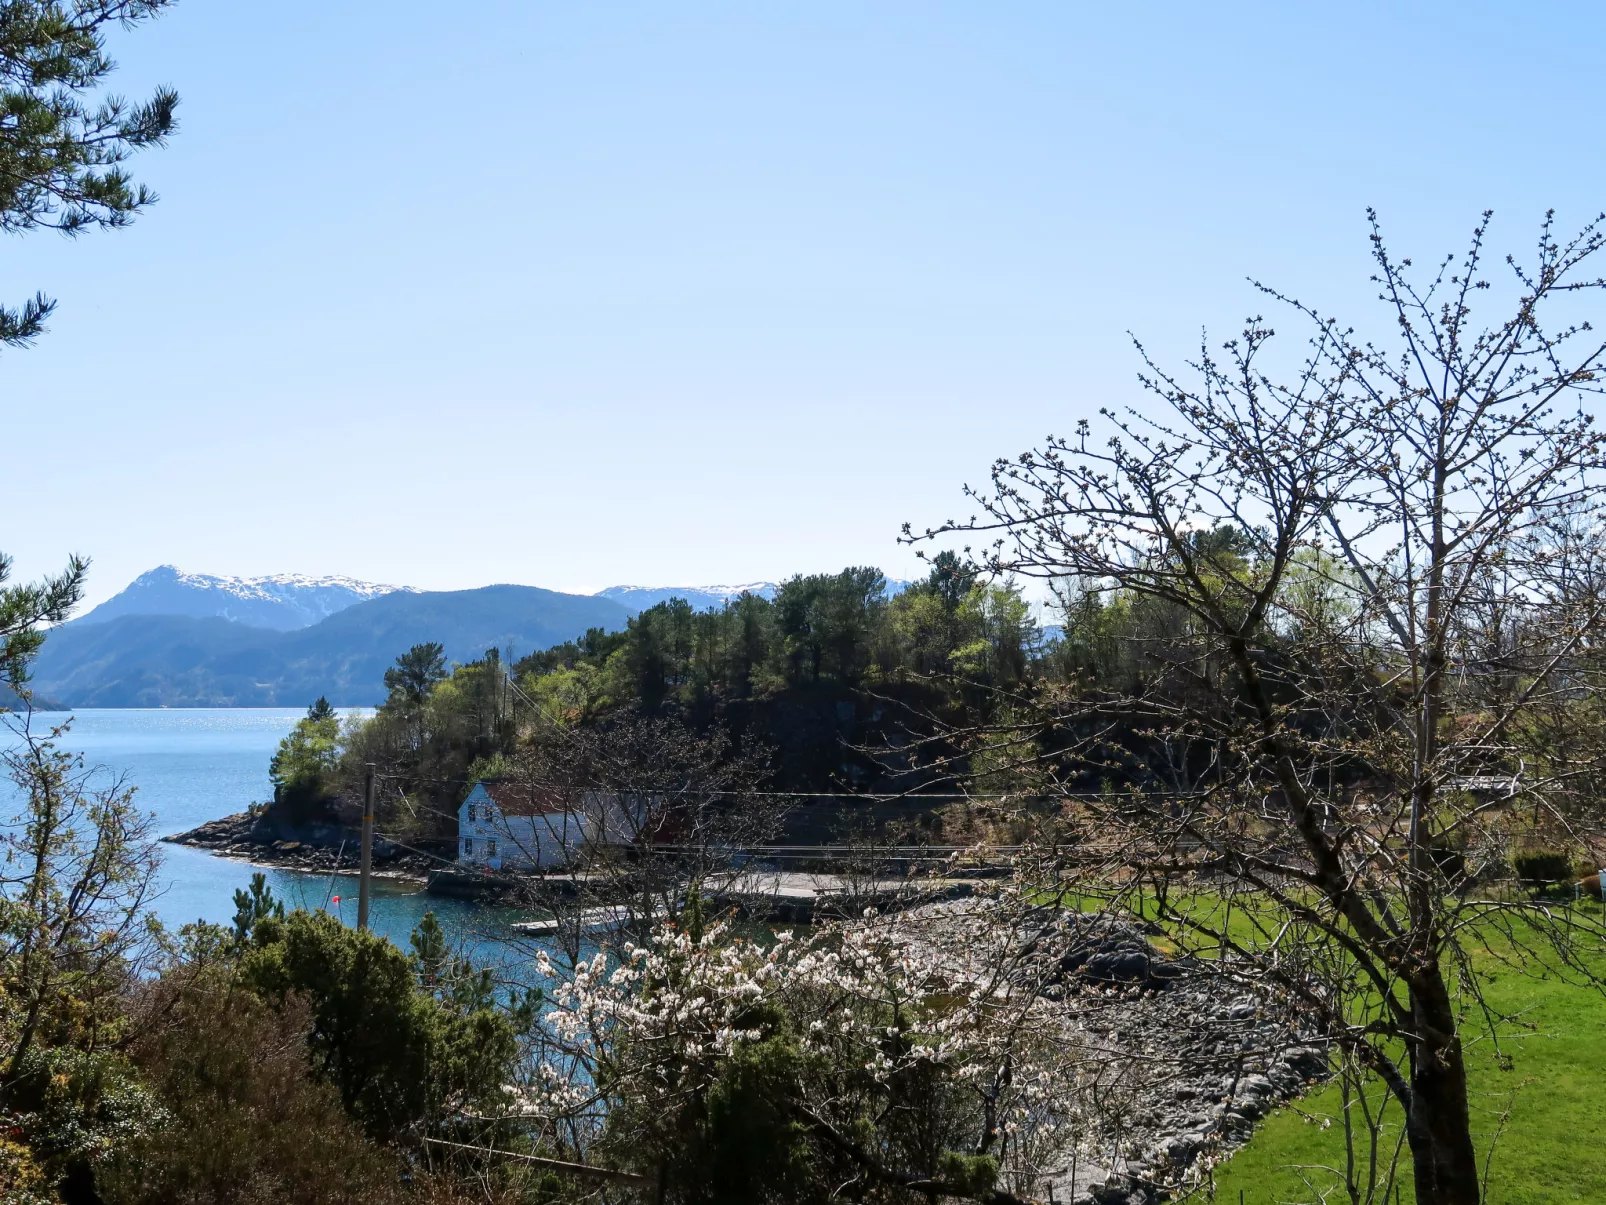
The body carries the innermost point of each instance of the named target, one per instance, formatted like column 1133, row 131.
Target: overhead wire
column 913, row 799
column 798, row 851
column 399, row 844
column 845, row 796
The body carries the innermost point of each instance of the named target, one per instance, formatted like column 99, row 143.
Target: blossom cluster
column 944, row 988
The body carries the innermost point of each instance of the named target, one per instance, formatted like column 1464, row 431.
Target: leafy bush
column 244, row 1119
column 295, row 1060
column 1541, row 868
column 77, row 1107
column 24, row 1181
column 395, row 1052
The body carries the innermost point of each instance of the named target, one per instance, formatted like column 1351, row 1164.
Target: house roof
column 524, row 798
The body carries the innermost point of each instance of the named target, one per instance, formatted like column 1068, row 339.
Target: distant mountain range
column 701, row 598
column 209, row 661
column 177, row 639
column 288, row 601
column 282, row 601
column 705, row 598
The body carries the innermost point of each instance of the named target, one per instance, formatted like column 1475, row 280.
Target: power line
column 329, row 893
column 774, row 851
column 845, row 796
column 415, row 850
column 367, row 854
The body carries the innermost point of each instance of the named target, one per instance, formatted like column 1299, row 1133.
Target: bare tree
column 1371, row 620
column 650, row 811
column 78, row 870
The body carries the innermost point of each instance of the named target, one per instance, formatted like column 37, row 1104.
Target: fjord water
column 191, row 766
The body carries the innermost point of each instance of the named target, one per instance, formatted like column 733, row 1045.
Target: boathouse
column 506, row 825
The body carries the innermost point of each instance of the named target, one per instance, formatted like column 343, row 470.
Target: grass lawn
column 1553, row 1148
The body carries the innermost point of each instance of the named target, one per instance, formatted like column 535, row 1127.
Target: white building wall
column 486, row 837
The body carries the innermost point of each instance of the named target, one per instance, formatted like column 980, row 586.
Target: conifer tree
column 63, row 143
column 62, row 148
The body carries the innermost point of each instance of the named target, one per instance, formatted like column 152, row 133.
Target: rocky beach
column 1180, row 1058
column 247, row 837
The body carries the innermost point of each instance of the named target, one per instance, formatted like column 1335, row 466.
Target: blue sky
column 578, row 294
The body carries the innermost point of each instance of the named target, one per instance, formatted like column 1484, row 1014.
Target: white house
column 504, row 825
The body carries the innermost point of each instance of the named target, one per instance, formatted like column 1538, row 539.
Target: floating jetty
column 779, row 897
column 591, row 920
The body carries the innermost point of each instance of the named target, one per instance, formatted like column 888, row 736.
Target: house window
column 471, row 813
column 490, row 849
column 468, row 846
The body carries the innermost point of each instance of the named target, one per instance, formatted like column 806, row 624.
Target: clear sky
column 677, row 293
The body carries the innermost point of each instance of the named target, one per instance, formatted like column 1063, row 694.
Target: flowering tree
column 872, row 1056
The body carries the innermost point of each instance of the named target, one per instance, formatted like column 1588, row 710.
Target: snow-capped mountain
column 701, row 598
column 287, row 602
column 704, row 598
column 283, row 601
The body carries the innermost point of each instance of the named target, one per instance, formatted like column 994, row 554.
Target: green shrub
column 76, row 1107
column 1541, row 868
column 397, row 1054
column 244, row 1120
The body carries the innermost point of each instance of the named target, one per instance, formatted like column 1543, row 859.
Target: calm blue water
column 191, row 766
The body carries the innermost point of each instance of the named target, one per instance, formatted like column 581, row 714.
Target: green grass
column 1553, row 1147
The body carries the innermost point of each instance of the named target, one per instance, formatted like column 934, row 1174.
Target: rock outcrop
column 1181, row 1056
column 317, row 849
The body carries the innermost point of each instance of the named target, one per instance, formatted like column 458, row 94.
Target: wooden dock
column 777, row 897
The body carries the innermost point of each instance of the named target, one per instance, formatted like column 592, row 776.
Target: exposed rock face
column 1118, row 955
column 315, row 848
column 1205, row 1064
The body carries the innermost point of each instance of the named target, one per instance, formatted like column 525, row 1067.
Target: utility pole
column 367, row 846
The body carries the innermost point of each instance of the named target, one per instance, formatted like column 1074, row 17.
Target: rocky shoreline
column 247, row 838
column 1196, row 1062
column 1183, row 1057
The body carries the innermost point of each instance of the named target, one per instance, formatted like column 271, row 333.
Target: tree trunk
column 1438, row 1126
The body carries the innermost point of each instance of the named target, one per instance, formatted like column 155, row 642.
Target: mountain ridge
column 701, row 598
column 705, row 598
column 289, row 601
column 280, row 601
column 177, row 639
column 208, row 661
